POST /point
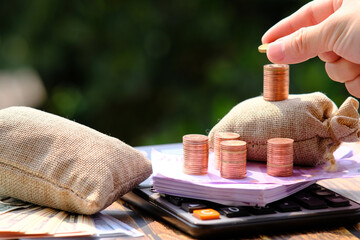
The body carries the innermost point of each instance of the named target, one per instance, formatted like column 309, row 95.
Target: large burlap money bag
column 312, row 120
column 51, row 161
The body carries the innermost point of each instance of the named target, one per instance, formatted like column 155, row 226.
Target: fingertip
column 353, row 87
column 328, row 57
column 275, row 52
column 267, row 37
column 263, row 39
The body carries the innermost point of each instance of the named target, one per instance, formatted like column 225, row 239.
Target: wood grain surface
column 154, row 229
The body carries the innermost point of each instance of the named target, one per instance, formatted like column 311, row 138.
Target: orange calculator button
column 206, row 214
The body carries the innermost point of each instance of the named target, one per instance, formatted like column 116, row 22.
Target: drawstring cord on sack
column 329, row 154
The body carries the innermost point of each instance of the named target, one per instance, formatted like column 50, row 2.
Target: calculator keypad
column 206, row 214
column 177, row 201
column 191, row 206
column 231, row 212
column 287, row 206
column 337, row 201
column 314, row 197
column 261, row 210
column 309, row 201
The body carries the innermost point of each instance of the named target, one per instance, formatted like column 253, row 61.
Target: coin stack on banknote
column 280, row 157
column 196, row 154
column 233, row 159
column 24, row 220
column 218, row 138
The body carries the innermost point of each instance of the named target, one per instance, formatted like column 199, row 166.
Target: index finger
column 310, row 14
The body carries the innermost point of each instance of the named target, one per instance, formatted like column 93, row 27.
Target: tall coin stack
column 196, row 154
column 280, row 157
column 218, row 138
column 233, row 159
column 276, row 82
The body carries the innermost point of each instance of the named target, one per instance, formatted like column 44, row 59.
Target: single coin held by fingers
column 263, row 48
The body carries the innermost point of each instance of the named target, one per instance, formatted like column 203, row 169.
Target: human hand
column 329, row 29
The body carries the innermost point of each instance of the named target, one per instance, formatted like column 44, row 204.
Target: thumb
column 299, row 46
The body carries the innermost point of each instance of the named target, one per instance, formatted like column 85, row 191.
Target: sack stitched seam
column 295, row 141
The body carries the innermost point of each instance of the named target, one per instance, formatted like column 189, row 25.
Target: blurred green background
column 148, row 72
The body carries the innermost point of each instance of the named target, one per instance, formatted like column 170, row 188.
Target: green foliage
column 148, row 72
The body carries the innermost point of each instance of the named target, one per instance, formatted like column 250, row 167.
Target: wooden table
column 155, row 229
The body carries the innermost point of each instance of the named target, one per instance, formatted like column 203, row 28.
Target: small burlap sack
column 51, row 161
column 312, row 120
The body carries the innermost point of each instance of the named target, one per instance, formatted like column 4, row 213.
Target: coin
column 218, row 138
column 196, row 154
column 276, row 82
column 233, row 159
column 280, row 156
column 263, row 48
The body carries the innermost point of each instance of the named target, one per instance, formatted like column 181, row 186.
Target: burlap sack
column 312, row 120
column 51, row 161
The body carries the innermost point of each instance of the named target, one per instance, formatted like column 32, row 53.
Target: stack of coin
column 218, row 138
column 196, row 154
column 276, row 82
column 233, row 159
column 280, row 157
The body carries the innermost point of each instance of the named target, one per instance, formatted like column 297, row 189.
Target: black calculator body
column 310, row 208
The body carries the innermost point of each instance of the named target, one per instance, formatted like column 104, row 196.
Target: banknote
column 19, row 219
column 8, row 204
column 75, row 225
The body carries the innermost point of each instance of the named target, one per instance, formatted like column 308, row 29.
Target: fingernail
column 275, row 52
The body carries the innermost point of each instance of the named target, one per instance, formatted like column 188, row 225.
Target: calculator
column 314, row 206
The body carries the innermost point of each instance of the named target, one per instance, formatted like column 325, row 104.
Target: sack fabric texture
column 51, row 161
column 312, row 120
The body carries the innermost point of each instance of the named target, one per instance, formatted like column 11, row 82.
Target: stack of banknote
column 19, row 219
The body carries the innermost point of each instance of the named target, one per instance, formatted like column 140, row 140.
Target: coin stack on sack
column 276, row 79
column 196, row 154
column 276, row 82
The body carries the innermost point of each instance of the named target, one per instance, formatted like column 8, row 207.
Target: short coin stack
column 280, row 157
column 218, row 138
column 276, row 82
column 233, row 159
column 196, row 154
